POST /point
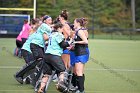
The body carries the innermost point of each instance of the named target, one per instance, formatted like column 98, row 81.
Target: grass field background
column 114, row 67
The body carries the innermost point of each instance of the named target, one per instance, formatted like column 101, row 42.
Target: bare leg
column 66, row 59
column 79, row 69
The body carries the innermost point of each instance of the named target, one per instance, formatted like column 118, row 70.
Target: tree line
column 102, row 13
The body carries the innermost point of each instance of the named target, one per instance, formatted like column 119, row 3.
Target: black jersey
column 80, row 49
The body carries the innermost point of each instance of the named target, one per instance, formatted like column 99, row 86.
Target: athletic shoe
column 19, row 79
column 79, row 91
column 72, row 88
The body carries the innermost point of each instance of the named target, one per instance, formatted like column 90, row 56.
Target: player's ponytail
column 64, row 14
column 83, row 21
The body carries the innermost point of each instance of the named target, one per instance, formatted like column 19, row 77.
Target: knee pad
column 39, row 63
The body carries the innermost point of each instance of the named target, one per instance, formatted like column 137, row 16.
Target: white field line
column 10, row 90
column 121, row 70
column 87, row 69
column 9, row 67
column 56, row 91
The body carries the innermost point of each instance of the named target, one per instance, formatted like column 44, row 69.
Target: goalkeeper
column 53, row 60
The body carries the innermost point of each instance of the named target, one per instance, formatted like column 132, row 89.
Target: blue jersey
column 53, row 44
column 26, row 45
column 39, row 40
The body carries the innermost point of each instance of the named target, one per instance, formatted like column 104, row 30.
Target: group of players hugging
column 54, row 48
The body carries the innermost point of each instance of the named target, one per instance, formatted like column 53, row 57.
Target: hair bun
column 85, row 21
column 65, row 12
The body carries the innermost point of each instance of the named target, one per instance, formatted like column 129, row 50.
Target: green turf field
column 114, row 67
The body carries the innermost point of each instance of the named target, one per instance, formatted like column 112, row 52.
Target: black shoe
column 72, row 88
column 19, row 79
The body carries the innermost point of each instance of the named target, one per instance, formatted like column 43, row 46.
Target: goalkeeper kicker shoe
column 19, row 79
column 79, row 91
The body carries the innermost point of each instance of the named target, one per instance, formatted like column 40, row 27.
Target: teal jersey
column 26, row 45
column 39, row 40
column 53, row 44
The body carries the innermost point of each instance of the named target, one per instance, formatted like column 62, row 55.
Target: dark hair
column 25, row 21
column 57, row 25
column 34, row 21
column 71, row 26
column 56, row 20
column 64, row 14
column 83, row 21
